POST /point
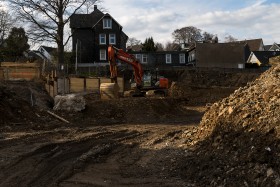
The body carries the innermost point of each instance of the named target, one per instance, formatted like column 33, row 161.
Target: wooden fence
column 56, row 86
column 19, row 71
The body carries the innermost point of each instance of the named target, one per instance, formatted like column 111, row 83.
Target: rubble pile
column 239, row 137
column 69, row 102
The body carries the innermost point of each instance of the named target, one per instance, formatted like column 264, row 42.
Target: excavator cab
column 153, row 84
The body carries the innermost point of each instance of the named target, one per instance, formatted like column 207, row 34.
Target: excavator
column 110, row 90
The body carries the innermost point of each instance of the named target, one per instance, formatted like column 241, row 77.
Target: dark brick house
column 223, row 55
column 220, row 55
column 161, row 58
column 91, row 35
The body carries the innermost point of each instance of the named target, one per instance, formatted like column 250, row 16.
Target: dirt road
column 80, row 154
column 127, row 142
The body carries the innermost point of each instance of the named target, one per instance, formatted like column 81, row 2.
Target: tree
column 207, row 37
column 187, row 35
column 149, row 45
column 159, row 46
column 132, row 42
column 229, row 38
column 47, row 19
column 16, row 43
column 171, row 46
column 6, row 23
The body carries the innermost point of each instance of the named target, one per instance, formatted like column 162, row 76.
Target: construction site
column 214, row 128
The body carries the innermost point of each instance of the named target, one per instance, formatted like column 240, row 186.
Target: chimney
column 95, row 7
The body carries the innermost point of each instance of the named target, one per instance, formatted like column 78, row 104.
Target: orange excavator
column 115, row 53
column 109, row 90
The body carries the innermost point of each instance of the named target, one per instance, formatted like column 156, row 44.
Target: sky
column 242, row 19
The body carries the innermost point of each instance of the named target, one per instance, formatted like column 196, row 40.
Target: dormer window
column 107, row 23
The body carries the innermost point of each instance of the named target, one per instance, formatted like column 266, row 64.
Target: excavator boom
column 115, row 53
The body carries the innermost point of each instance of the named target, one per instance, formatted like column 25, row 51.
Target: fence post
column 85, row 84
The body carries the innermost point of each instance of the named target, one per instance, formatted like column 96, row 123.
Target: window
column 182, row 58
column 191, row 57
column 112, row 39
column 102, row 38
column 138, row 57
column 107, row 23
column 102, row 54
column 144, row 58
column 168, row 58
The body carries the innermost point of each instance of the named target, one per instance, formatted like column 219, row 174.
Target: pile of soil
column 134, row 110
column 238, row 137
column 22, row 104
column 209, row 86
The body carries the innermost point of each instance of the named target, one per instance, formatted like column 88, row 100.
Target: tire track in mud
column 50, row 164
column 134, row 162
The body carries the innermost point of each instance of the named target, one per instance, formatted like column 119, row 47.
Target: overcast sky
column 243, row 19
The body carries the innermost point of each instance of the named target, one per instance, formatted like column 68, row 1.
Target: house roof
column 253, row 44
column 269, row 47
column 49, row 49
column 106, row 15
column 86, row 20
column 263, row 56
column 91, row 20
column 225, row 55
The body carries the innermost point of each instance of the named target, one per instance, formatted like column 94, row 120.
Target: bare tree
column 187, row 35
column 207, row 37
column 47, row 19
column 159, row 46
column 132, row 41
column 171, row 46
column 6, row 24
column 229, row 38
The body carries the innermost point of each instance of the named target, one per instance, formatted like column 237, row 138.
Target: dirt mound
column 134, row 110
column 209, row 86
column 239, row 137
column 22, row 102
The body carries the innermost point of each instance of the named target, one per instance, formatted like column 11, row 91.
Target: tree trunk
column 60, row 42
column 60, row 53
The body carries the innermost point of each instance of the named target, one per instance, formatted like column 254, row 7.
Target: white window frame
column 138, row 57
column 182, row 58
column 191, row 57
column 102, row 36
column 102, row 54
column 144, row 59
column 168, row 59
column 112, row 37
column 107, row 23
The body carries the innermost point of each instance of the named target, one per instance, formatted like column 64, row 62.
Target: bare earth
column 194, row 138
column 130, row 142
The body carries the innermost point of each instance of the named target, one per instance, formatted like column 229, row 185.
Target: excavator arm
column 115, row 53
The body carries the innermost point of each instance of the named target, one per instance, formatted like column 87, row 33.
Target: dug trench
column 142, row 141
